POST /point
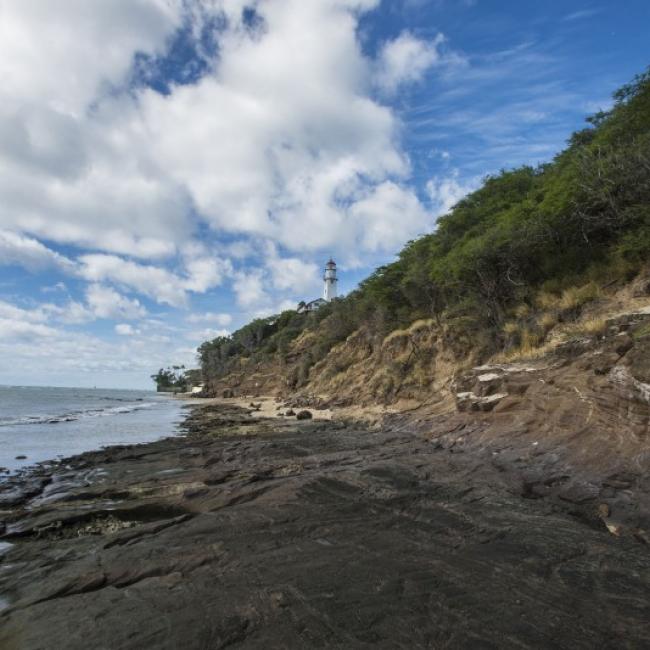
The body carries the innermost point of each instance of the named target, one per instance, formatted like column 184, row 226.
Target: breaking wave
column 76, row 415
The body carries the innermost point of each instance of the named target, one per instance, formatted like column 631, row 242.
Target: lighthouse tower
column 329, row 292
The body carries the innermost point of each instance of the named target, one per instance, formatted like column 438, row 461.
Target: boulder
column 304, row 415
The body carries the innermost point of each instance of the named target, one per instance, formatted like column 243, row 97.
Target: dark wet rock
column 623, row 344
column 640, row 362
column 21, row 457
column 265, row 533
column 304, row 415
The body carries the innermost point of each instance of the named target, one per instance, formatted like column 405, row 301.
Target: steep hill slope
column 533, row 258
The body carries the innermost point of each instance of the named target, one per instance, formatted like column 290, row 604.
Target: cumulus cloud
column 210, row 317
column 294, row 143
column 406, row 59
column 157, row 282
column 387, row 213
column 291, row 273
column 250, row 289
column 124, row 329
column 205, row 334
column 29, row 253
column 89, row 44
column 152, row 281
column 12, row 312
column 446, row 192
column 69, row 173
column 12, row 330
column 105, row 302
column 77, row 358
column 18, row 323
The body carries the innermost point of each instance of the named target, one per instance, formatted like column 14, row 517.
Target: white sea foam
column 37, row 424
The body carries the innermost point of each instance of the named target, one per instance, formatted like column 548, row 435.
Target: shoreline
column 250, row 531
column 45, row 425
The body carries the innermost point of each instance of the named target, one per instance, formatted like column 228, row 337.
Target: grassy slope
column 531, row 249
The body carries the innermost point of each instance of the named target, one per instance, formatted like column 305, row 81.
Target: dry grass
column 530, row 339
column 395, row 334
column 511, row 328
column 521, row 311
column 588, row 327
column 571, row 298
column 524, row 352
column 414, row 327
column 576, row 297
column 547, row 321
column 422, row 323
column 594, row 326
column 547, row 300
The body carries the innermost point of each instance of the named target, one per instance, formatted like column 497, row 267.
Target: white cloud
column 124, row 329
column 205, row 273
column 78, row 359
column 72, row 313
column 157, row 282
column 291, row 273
column 581, row 14
column 295, row 140
column 446, row 192
column 68, row 173
column 206, row 334
column 152, row 281
column 29, row 253
column 87, row 45
column 105, row 302
column 11, row 312
column 389, row 214
column 250, row 289
column 210, row 317
column 407, row 58
column 17, row 330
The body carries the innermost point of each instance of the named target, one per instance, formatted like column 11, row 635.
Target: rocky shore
column 256, row 532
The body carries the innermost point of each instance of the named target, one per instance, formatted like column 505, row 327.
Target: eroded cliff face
column 407, row 365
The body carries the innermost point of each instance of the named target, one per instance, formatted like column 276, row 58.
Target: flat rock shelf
column 258, row 533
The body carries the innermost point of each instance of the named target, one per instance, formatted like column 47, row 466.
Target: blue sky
column 170, row 170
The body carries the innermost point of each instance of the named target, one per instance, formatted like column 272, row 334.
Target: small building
column 312, row 305
column 330, row 290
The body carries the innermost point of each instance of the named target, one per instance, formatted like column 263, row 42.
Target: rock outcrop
column 276, row 533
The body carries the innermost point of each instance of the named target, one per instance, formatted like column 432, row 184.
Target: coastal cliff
column 521, row 326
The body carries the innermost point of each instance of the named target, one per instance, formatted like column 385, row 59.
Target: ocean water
column 45, row 423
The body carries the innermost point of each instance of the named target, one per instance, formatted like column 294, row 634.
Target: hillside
column 535, row 258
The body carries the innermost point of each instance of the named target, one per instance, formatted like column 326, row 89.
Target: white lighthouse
column 330, row 279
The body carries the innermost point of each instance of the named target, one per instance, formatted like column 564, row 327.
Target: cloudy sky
column 170, row 169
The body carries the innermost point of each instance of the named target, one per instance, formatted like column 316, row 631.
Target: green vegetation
column 528, row 239
column 171, row 379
